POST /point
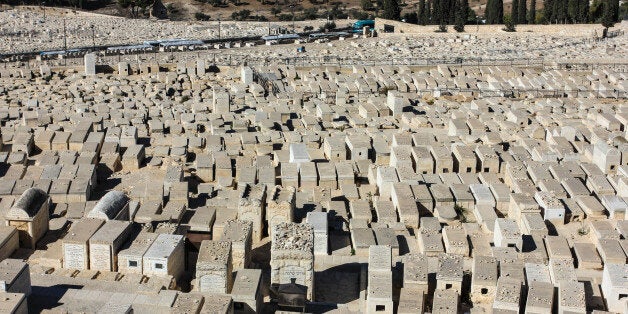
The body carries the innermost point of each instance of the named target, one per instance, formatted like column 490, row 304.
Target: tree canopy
column 391, row 10
column 495, row 12
column 135, row 5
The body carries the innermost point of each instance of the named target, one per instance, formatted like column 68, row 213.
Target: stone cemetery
column 365, row 176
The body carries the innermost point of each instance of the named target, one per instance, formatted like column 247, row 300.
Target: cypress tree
column 548, row 10
column 465, row 10
column 532, row 12
column 583, row 11
column 500, row 11
column 392, row 10
column 495, row 12
column 461, row 15
column 608, row 19
column 514, row 11
column 443, row 16
column 435, row 12
column 596, row 10
column 615, row 11
column 488, row 12
column 428, row 12
column 422, row 17
column 453, row 11
column 560, row 11
column 522, row 11
column 556, row 5
column 572, row 10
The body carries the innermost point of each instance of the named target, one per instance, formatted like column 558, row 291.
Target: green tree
column 411, row 17
column 615, row 9
column 522, row 12
column 275, row 10
column 241, row 15
column 495, row 12
column 608, row 19
column 514, row 11
column 556, row 6
column 329, row 26
column 366, row 5
column 337, row 13
column 488, row 14
column 572, row 10
column 422, row 15
column 435, row 16
column 509, row 24
column 560, row 11
column 583, row 11
column 596, row 10
column 443, row 16
column 285, row 17
column 135, row 6
column 358, row 14
column 461, row 16
column 532, row 12
column 500, row 11
column 202, row 16
column 623, row 11
column 428, row 12
column 452, row 11
column 391, row 10
column 76, row 3
column 548, row 10
column 472, row 17
column 214, row 3
column 310, row 14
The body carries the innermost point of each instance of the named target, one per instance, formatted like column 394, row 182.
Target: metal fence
column 508, row 93
column 221, row 58
column 234, row 59
column 589, row 66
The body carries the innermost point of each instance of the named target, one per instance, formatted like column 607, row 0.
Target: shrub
column 275, row 11
column 241, row 15
column 337, row 13
column 509, row 24
column 200, row 16
column 358, row 15
column 285, row 17
column 367, row 5
column 328, row 27
column 310, row 14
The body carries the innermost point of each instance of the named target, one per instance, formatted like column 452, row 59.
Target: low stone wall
column 570, row 30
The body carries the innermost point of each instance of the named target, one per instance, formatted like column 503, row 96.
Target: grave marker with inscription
column 292, row 256
column 214, row 267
